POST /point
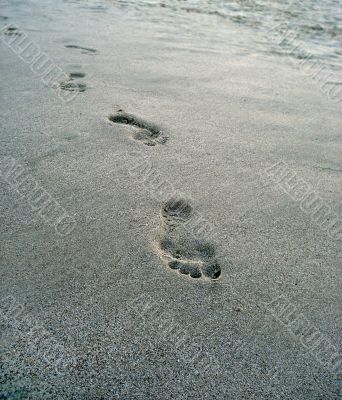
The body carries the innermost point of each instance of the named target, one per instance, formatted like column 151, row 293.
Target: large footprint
column 146, row 132
column 188, row 255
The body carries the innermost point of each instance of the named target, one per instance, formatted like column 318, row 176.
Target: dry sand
column 100, row 314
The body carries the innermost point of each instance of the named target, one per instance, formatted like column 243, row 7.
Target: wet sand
column 127, row 294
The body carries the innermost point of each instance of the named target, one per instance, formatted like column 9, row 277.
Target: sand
column 90, row 308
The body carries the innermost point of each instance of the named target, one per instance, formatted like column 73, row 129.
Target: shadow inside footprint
column 177, row 208
column 189, row 255
column 146, row 132
column 212, row 270
column 186, row 268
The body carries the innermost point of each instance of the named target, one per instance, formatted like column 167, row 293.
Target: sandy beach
column 170, row 208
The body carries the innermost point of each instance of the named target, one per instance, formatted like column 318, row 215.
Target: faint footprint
column 146, row 132
column 12, row 31
column 76, row 75
column 70, row 84
column 73, row 86
column 84, row 50
column 189, row 256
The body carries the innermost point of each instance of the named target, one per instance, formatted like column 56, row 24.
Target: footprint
column 70, row 84
column 76, row 75
column 188, row 255
column 146, row 132
column 12, row 31
column 73, row 86
column 175, row 212
column 84, row 50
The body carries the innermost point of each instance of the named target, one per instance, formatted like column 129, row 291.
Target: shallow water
column 290, row 27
